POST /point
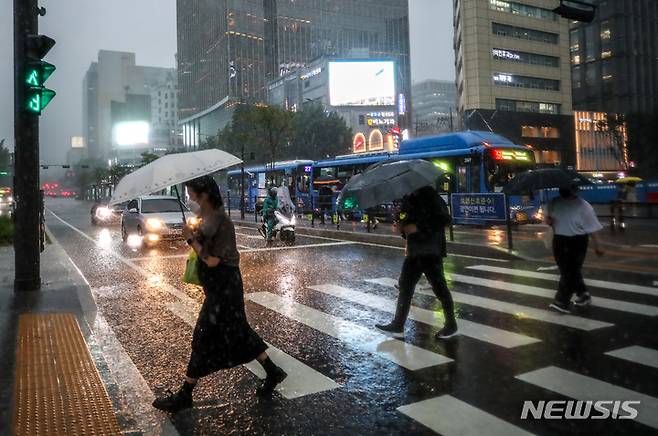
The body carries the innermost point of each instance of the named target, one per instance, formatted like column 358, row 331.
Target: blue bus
column 295, row 174
column 473, row 161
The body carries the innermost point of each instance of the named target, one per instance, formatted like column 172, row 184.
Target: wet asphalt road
column 140, row 295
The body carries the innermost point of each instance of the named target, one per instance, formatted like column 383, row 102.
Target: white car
column 154, row 218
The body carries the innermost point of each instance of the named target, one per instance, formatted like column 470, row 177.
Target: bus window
column 462, row 186
column 499, row 171
column 303, row 183
column 475, row 173
column 344, row 173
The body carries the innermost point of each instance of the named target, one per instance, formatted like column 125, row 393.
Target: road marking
column 622, row 306
column 520, row 312
column 580, row 387
column 406, row 355
column 615, row 286
column 303, row 380
column 295, row 247
column 481, row 332
column 642, row 355
column 547, row 268
column 450, row 417
column 649, row 246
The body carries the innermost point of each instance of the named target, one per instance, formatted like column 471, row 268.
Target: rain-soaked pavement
column 317, row 303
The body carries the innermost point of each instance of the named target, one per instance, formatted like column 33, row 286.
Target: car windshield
column 161, row 205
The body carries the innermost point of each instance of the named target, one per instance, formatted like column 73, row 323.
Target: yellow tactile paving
column 58, row 389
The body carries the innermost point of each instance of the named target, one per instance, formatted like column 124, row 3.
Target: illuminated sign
column 77, row 142
column 359, row 143
column 501, row 77
column 362, row 83
column 381, row 121
column 516, row 155
column 311, row 73
column 504, row 54
column 384, row 114
column 375, row 140
column 131, row 133
column 402, row 104
column 308, row 169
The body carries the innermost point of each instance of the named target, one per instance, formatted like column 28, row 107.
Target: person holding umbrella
column 423, row 217
column 573, row 221
column 222, row 336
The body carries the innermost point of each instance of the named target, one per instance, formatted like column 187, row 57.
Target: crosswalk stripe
column 580, row 387
column 622, row 306
column 521, row 312
column 642, row 355
column 450, row 416
column 616, row 286
column 303, row 380
column 502, row 338
column 406, row 355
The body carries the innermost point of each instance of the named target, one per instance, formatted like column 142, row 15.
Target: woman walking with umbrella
column 222, row 336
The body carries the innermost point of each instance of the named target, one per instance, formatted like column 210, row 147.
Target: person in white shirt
column 573, row 221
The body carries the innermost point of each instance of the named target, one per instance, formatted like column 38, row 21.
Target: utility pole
column 30, row 97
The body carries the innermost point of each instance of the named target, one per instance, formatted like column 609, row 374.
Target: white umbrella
column 170, row 170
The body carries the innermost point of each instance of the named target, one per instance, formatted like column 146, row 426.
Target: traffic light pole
column 26, row 165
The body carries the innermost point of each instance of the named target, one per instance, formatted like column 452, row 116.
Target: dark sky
column 148, row 28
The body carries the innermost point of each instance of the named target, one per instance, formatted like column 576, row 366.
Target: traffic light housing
column 37, row 71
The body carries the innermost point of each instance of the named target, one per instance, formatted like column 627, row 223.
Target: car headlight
column 10, row 199
column 103, row 212
column 154, row 224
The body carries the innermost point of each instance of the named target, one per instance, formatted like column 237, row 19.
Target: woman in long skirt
column 222, row 336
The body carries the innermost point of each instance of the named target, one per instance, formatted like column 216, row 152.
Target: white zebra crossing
column 581, row 387
column 502, row 338
column 450, row 416
column 615, row 286
column 306, row 380
column 636, row 354
column 622, row 306
column 406, row 355
column 519, row 311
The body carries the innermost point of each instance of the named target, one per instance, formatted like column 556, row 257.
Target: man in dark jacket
column 423, row 217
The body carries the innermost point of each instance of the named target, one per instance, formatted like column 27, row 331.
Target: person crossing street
column 574, row 222
column 270, row 204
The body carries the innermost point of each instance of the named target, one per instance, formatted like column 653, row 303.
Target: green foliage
column 6, row 230
column 5, row 157
column 147, row 157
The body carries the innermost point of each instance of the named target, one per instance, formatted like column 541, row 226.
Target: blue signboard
column 478, row 207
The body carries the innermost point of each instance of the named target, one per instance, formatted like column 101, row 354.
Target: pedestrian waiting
column 574, row 223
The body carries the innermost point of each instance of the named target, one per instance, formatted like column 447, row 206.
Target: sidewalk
column 49, row 367
column 632, row 250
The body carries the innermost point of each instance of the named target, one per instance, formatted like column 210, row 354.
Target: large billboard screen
column 362, row 83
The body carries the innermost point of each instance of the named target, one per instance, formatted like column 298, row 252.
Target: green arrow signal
column 38, row 98
column 38, row 73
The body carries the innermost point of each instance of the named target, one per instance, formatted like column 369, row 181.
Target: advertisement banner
column 480, row 207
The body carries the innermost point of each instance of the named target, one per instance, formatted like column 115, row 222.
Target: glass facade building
column 229, row 49
column 614, row 59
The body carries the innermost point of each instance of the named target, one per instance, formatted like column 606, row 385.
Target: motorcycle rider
column 270, row 204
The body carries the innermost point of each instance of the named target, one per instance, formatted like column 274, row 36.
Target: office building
column 514, row 76
column 614, row 59
column 228, row 52
column 434, row 107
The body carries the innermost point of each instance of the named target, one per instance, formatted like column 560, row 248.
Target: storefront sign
column 504, row 54
column 359, row 143
column 480, row 207
column 311, row 73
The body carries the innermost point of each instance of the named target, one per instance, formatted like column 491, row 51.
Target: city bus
column 473, row 161
column 295, row 175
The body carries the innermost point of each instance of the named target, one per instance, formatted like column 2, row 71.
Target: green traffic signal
column 37, row 71
column 38, row 98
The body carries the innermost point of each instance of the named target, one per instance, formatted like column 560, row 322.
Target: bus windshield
column 503, row 164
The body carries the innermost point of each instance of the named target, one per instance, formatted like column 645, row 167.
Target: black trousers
column 570, row 253
column 412, row 268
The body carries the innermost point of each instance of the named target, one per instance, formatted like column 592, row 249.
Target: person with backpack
column 422, row 220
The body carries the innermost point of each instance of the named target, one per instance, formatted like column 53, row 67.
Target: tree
column 273, row 127
column 5, row 156
column 317, row 134
column 615, row 124
column 147, row 157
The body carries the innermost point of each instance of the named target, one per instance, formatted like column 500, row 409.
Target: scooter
column 284, row 227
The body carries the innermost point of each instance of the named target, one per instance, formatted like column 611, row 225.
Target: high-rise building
column 117, row 104
column 229, row 50
column 614, row 59
column 434, row 106
column 514, row 76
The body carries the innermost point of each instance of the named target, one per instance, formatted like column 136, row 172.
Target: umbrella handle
column 180, row 203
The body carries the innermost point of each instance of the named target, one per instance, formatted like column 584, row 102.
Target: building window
column 607, row 70
column 522, row 9
column 590, row 41
column 540, row 132
column 503, row 104
column 514, row 80
column 606, row 32
column 525, row 58
column 606, row 54
column 576, row 79
column 524, row 33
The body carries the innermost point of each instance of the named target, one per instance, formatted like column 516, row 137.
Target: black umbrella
column 544, row 178
column 386, row 182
